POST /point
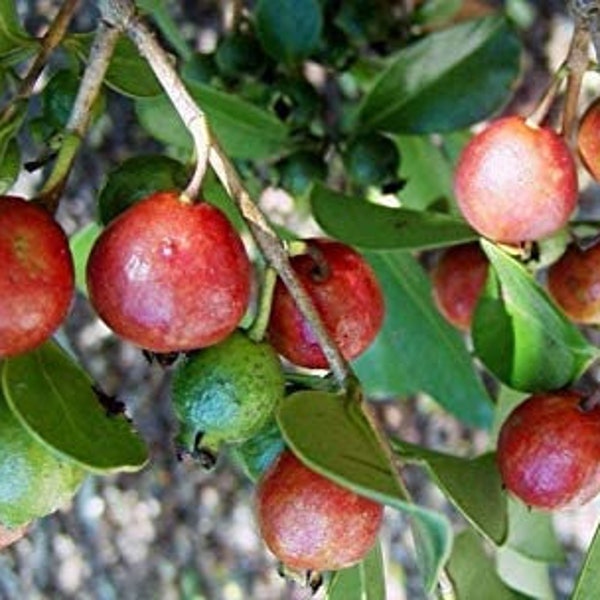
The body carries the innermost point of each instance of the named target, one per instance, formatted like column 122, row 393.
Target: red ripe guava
column 36, row 279
column 347, row 297
column 458, row 280
column 515, row 182
column 169, row 275
column 311, row 523
column 549, row 451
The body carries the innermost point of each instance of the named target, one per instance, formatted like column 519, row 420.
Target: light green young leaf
column 520, row 334
column 10, row 165
column 473, row 572
column 81, row 243
column 588, row 581
column 473, row 485
column 531, row 533
column 15, row 43
column 56, row 402
column 332, row 436
column 364, row 581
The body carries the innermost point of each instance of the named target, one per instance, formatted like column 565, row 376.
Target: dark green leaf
column 128, row 72
column 81, row 243
column 54, row 399
column 417, row 350
column 365, row 581
column 367, row 225
column 289, row 30
column 520, row 335
column 434, row 12
column 447, row 80
column 472, row 571
column 136, row 178
column 10, row 165
column 333, row 437
column 473, row 485
column 161, row 15
column 244, row 130
column 15, row 43
column 588, row 581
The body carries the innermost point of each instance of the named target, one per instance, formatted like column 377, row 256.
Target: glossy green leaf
column 364, row 581
column 128, row 73
column 15, row 43
column 244, row 130
column 588, row 580
column 531, row 533
column 520, row 335
column 81, row 243
column 473, row 572
column 289, row 30
column 447, row 80
column 10, row 165
column 367, row 225
column 417, row 350
column 332, row 436
column 54, row 399
column 473, row 485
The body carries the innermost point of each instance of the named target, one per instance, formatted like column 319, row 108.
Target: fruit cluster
column 516, row 184
column 172, row 276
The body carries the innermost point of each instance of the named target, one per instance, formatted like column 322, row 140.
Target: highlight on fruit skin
column 515, row 182
column 169, row 275
column 588, row 140
column 37, row 275
column 226, row 393
column 346, row 294
column 311, row 523
column 574, row 283
column 457, row 282
column 549, row 451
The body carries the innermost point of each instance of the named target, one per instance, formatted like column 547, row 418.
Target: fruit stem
column 257, row 330
column 100, row 54
column 577, row 63
column 121, row 14
column 52, row 38
column 540, row 112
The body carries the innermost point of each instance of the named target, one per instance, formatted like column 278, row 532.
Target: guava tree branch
column 98, row 61
column 52, row 38
column 121, row 14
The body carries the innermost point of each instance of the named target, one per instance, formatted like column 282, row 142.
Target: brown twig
column 79, row 119
column 577, row 64
column 121, row 14
column 52, row 38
